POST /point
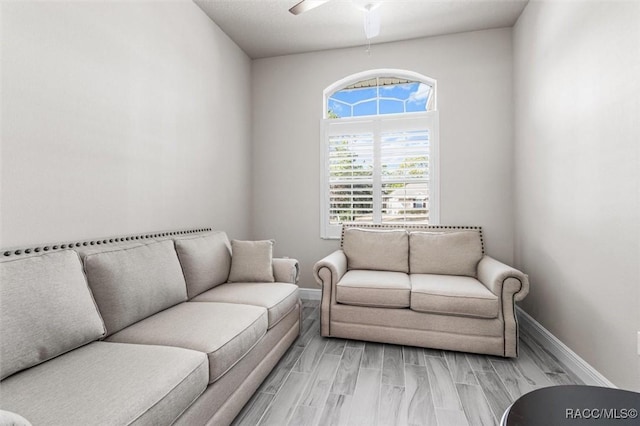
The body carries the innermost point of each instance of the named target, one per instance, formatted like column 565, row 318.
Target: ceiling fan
column 306, row 5
column 371, row 14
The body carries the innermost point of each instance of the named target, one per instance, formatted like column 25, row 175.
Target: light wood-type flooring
column 327, row 381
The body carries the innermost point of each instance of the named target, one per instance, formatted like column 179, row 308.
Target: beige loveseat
column 142, row 330
column 420, row 285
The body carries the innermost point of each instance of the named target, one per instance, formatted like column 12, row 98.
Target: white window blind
column 350, row 177
column 404, row 156
column 379, row 170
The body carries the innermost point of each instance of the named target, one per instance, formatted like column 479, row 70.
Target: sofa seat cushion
column 278, row 298
column 452, row 295
column 108, row 384
column 223, row 331
column 374, row 288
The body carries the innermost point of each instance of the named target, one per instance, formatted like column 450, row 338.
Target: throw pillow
column 251, row 261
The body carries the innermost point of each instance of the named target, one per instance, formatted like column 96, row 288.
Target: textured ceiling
column 264, row 28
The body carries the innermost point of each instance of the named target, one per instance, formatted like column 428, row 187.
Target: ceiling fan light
column 371, row 22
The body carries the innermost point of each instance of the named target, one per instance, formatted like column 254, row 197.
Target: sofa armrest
column 502, row 279
column 330, row 269
column 286, row 270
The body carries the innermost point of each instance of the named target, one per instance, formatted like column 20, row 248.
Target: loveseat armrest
column 327, row 273
column 330, row 269
column 286, row 270
column 503, row 280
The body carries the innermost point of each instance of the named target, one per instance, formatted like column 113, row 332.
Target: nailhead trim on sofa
column 100, row 241
column 411, row 227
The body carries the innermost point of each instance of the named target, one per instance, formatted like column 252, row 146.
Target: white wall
column 577, row 100
column 120, row 117
column 473, row 71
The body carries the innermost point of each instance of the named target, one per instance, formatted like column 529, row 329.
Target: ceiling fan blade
column 306, row 5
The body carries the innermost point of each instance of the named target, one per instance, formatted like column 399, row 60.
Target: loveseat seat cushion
column 384, row 250
column 205, row 261
column 278, row 298
column 452, row 295
column 108, row 384
column 226, row 332
column 133, row 283
column 46, row 309
column 446, row 253
column 374, row 288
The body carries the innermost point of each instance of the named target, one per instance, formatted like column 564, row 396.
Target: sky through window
column 379, row 100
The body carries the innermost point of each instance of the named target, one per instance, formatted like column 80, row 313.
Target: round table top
column 574, row 405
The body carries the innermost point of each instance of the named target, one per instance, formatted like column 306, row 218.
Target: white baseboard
column 578, row 366
column 310, row 293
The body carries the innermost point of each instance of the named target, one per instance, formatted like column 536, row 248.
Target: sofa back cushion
column 205, row 260
column 445, row 253
column 134, row 283
column 46, row 309
column 384, row 250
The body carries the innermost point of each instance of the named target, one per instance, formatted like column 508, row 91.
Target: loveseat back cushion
column 134, row 283
column 383, row 250
column 205, row 260
column 46, row 309
column 445, row 253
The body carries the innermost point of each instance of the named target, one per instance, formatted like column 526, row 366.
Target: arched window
column 379, row 150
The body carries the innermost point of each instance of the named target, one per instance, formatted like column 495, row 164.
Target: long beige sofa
column 141, row 331
column 420, row 285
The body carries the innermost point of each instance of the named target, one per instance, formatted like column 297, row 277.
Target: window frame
column 328, row 231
